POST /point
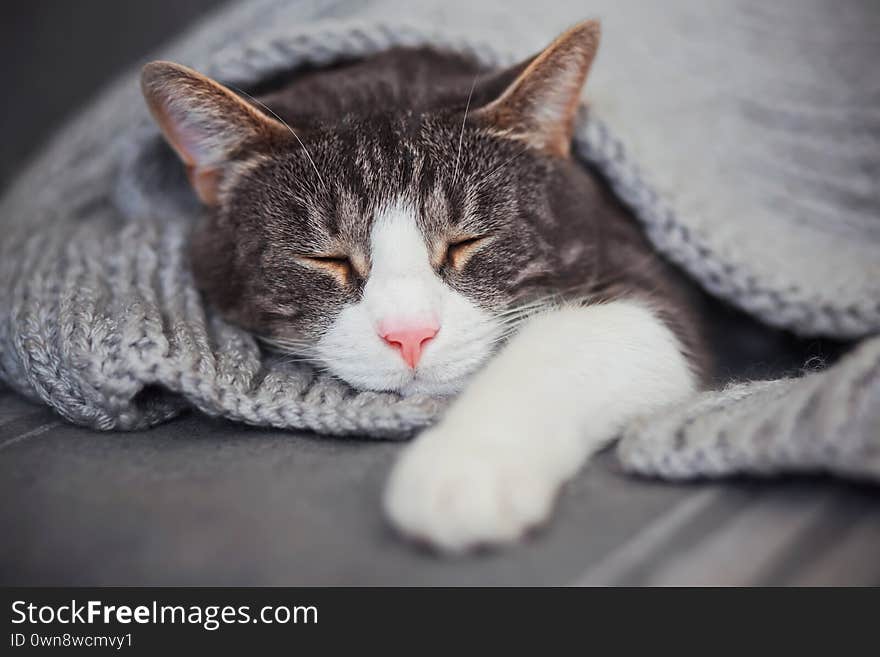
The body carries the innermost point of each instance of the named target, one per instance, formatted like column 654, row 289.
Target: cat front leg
column 563, row 387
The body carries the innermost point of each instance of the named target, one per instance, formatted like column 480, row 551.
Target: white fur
column 560, row 390
column 402, row 285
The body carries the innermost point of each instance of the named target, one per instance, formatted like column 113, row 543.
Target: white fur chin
column 402, row 284
column 562, row 389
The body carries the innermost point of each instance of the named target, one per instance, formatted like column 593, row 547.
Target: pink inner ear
column 206, row 182
column 204, row 178
column 185, row 142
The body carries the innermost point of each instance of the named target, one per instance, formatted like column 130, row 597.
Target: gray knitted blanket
column 744, row 135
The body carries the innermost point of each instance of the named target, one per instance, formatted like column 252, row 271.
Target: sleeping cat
column 411, row 222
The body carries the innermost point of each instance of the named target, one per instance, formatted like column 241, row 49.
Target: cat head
column 392, row 245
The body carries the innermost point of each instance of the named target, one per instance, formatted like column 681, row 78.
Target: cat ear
column 207, row 124
column 540, row 106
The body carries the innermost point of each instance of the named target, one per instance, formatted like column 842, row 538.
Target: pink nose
column 408, row 338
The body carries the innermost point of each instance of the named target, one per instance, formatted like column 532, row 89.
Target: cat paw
column 458, row 494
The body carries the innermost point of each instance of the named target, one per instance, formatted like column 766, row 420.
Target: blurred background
column 57, row 55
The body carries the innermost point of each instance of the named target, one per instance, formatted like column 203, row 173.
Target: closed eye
column 460, row 251
column 337, row 265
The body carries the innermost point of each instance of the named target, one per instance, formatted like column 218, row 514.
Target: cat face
column 394, row 249
column 410, row 329
column 390, row 281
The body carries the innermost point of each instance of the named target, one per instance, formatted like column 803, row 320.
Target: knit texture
column 760, row 182
column 822, row 422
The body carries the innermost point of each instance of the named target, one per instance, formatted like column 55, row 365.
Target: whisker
column 296, row 136
column 505, row 324
column 467, row 108
column 283, row 341
column 504, row 164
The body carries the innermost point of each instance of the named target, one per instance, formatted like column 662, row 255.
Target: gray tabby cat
column 413, row 223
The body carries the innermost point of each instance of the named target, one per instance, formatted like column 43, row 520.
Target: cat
column 413, row 222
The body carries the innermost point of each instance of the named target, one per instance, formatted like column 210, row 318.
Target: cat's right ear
column 540, row 106
column 208, row 125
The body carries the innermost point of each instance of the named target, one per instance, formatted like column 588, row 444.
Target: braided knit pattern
column 821, row 422
column 99, row 317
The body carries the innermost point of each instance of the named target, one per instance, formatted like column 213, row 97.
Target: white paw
column 459, row 492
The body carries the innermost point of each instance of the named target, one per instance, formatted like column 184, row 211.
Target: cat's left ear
column 210, row 127
column 540, row 106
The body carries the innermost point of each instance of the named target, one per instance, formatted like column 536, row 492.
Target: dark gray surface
column 201, row 501
column 55, row 55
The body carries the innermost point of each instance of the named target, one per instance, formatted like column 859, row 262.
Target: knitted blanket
column 746, row 139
